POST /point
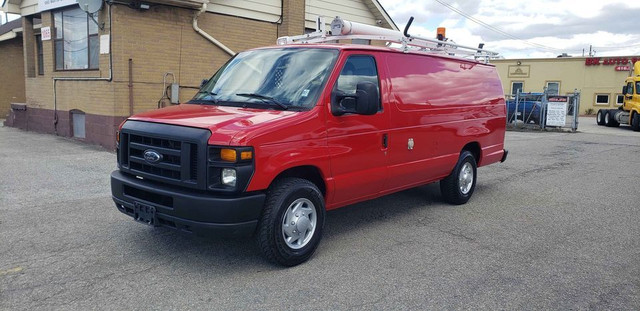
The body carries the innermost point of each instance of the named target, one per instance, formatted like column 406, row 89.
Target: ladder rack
column 346, row 30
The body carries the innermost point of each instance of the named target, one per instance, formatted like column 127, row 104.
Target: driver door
column 358, row 143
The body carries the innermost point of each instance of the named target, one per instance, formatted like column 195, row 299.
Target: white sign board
column 46, row 5
column 45, row 33
column 104, row 44
column 556, row 113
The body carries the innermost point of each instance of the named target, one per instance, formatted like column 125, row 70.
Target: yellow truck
column 629, row 112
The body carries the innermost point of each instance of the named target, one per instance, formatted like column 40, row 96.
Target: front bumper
column 188, row 210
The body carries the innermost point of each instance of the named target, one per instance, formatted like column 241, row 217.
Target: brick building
column 84, row 73
column 12, row 77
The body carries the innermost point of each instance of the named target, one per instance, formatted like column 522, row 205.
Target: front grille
column 177, row 147
column 170, row 164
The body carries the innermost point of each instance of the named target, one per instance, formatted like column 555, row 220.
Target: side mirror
column 365, row 102
column 204, row 81
column 624, row 89
column 368, row 98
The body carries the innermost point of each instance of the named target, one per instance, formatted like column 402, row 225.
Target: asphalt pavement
column 554, row 227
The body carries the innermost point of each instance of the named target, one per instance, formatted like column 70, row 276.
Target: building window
column 76, row 40
column 602, row 99
column 516, row 86
column 619, row 99
column 40, row 54
column 553, row 88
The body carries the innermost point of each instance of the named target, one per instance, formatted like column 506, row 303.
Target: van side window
column 631, row 88
column 357, row 68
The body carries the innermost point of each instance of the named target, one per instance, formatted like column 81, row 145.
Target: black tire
column 635, row 122
column 600, row 117
column 612, row 118
column 451, row 186
column 609, row 119
column 271, row 236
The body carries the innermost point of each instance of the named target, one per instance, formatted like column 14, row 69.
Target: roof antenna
column 406, row 28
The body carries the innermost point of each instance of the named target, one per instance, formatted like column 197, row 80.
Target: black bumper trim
column 504, row 155
column 192, row 211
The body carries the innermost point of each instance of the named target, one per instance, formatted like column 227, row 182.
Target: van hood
column 224, row 122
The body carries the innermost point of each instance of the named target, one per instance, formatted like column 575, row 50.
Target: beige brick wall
column 12, row 77
column 293, row 18
column 158, row 41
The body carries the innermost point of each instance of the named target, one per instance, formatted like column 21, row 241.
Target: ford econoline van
column 280, row 135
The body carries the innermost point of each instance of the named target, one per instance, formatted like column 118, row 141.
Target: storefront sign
column 557, row 111
column 46, row 5
column 597, row 61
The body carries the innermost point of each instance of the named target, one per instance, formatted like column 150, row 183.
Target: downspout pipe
column 206, row 35
column 107, row 79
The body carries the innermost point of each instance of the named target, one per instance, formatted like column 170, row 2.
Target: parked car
column 528, row 108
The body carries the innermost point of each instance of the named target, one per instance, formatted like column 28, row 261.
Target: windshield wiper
column 264, row 98
column 214, row 100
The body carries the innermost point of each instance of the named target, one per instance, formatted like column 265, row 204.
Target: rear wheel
column 612, row 118
column 600, row 117
column 291, row 225
column 635, row 122
column 458, row 187
column 609, row 119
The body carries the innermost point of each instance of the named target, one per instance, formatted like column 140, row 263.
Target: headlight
column 229, row 177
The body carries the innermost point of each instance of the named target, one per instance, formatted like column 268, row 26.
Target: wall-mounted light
column 519, row 63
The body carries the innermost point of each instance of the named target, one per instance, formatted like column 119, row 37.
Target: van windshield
column 276, row 78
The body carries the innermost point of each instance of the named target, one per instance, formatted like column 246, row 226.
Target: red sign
column 623, row 68
column 561, row 99
column 597, row 61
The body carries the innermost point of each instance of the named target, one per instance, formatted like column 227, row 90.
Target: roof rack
column 344, row 30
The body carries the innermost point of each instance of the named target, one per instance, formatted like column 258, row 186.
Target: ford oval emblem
column 152, row 156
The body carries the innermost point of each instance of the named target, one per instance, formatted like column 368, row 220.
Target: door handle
column 385, row 141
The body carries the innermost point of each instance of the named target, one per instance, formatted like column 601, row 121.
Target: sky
column 527, row 29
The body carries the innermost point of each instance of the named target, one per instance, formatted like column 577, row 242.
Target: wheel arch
column 474, row 148
column 309, row 172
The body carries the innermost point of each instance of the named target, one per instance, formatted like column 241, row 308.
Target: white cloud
column 559, row 25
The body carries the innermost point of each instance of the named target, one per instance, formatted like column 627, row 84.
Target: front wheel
column 291, row 225
column 458, row 187
column 635, row 122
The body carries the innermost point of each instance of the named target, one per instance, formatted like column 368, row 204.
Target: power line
column 495, row 29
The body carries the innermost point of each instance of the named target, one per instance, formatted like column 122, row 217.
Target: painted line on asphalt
column 10, row 271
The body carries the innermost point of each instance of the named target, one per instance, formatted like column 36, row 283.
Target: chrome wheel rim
column 299, row 223
column 599, row 117
column 606, row 118
column 465, row 178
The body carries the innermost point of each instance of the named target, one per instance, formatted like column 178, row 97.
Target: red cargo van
column 279, row 135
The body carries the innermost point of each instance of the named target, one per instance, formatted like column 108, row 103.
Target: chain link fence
column 543, row 110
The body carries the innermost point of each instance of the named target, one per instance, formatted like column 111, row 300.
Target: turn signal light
column 228, row 155
column 246, row 155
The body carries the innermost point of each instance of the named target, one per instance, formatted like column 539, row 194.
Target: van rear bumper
column 186, row 210
column 504, row 155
